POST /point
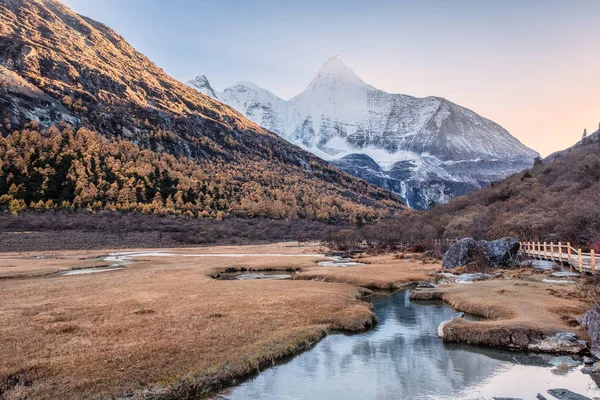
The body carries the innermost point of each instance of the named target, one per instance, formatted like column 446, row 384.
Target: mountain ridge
column 338, row 114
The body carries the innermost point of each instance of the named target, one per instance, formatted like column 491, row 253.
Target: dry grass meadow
column 517, row 311
column 164, row 328
column 162, row 322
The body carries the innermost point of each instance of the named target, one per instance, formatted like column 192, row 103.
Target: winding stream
column 402, row 358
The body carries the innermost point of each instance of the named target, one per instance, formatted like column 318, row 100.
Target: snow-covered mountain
column 425, row 149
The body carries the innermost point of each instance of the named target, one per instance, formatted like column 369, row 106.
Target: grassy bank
column 518, row 312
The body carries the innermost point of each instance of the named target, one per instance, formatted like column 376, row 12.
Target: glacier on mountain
column 427, row 150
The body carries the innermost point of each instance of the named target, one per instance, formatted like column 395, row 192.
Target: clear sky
column 531, row 66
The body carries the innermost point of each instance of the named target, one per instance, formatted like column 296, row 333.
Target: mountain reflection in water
column 403, row 358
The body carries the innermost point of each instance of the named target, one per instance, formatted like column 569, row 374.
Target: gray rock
column 591, row 320
column 588, row 370
column 470, row 278
column 564, row 394
column 563, row 342
column 540, row 397
column 542, row 265
column 503, row 252
column 426, row 285
column 588, row 360
column 497, row 253
column 463, row 252
column 565, row 274
column 558, row 281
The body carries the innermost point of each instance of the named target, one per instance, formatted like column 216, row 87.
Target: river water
column 403, row 358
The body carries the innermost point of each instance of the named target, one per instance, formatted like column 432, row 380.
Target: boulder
column 463, row 252
column 591, row 320
column 588, row 360
column 565, row 394
column 496, row 253
column 503, row 252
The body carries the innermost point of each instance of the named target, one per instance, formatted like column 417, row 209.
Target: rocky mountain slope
column 425, row 149
column 555, row 200
column 148, row 138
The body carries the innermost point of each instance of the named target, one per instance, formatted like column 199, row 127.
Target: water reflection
column 402, row 358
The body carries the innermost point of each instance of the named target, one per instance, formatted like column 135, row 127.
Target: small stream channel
column 403, row 358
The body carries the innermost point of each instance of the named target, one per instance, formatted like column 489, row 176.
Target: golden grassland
column 164, row 327
column 518, row 311
column 159, row 322
column 380, row 272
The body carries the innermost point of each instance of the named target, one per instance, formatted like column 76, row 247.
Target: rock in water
column 591, row 319
column 503, row 252
column 564, row 394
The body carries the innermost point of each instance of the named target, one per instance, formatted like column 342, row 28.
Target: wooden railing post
column 545, row 251
column 552, row 251
column 580, row 260
column 560, row 260
column 593, row 260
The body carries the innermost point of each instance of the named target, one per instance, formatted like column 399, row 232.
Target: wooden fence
column 563, row 253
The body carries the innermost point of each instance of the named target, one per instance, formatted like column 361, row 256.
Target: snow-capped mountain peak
column 201, row 84
column 427, row 149
column 336, row 71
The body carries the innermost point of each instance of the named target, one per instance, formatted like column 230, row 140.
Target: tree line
column 63, row 168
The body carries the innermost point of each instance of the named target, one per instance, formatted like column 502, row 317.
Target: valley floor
column 164, row 326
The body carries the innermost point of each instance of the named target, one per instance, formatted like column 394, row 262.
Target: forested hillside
column 67, row 169
column 89, row 122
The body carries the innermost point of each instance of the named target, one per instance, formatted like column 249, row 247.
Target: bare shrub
column 345, row 240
